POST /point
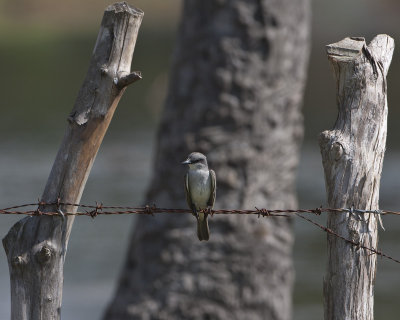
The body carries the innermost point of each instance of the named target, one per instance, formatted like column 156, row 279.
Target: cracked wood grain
column 352, row 155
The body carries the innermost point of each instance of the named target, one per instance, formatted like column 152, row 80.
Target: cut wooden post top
column 346, row 48
column 350, row 48
column 123, row 6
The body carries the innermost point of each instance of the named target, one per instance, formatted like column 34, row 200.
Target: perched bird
column 200, row 189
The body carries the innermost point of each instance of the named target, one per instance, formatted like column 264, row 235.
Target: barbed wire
column 353, row 243
column 99, row 208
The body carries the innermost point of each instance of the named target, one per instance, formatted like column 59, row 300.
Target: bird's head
column 196, row 160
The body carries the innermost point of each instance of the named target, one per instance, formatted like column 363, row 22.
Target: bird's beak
column 187, row 161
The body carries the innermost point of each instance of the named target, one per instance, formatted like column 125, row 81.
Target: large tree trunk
column 235, row 94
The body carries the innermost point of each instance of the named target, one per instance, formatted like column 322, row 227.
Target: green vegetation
column 42, row 72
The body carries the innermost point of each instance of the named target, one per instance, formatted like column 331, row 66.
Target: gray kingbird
column 200, row 189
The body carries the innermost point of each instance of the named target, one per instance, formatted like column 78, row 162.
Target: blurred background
column 45, row 48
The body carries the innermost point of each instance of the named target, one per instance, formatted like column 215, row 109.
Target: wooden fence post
column 352, row 155
column 36, row 246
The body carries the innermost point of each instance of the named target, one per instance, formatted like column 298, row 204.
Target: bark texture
column 36, row 246
column 352, row 155
column 235, row 95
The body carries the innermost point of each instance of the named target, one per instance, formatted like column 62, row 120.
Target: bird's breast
column 200, row 187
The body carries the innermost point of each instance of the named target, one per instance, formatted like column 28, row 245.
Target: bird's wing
column 187, row 192
column 211, row 201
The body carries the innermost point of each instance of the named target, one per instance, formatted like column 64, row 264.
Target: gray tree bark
column 36, row 246
column 352, row 154
column 235, row 93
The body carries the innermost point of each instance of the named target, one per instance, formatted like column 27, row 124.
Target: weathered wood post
column 352, row 155
column 36, row 246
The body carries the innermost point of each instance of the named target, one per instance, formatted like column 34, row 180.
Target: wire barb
column 96, row 210
column 263, row 212
column 318, row 211
column 150, row 210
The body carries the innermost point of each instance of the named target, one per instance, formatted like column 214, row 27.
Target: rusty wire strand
column 353, row 243
column 102, row 209
column 99, row 208
column 44, row 208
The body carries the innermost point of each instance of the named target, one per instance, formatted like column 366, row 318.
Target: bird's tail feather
column 203, row 232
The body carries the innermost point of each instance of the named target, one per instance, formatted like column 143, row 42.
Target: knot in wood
column 44, row 254
column 104, row 70
column 337, row 151
column 354, row 230
column 18, row 261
